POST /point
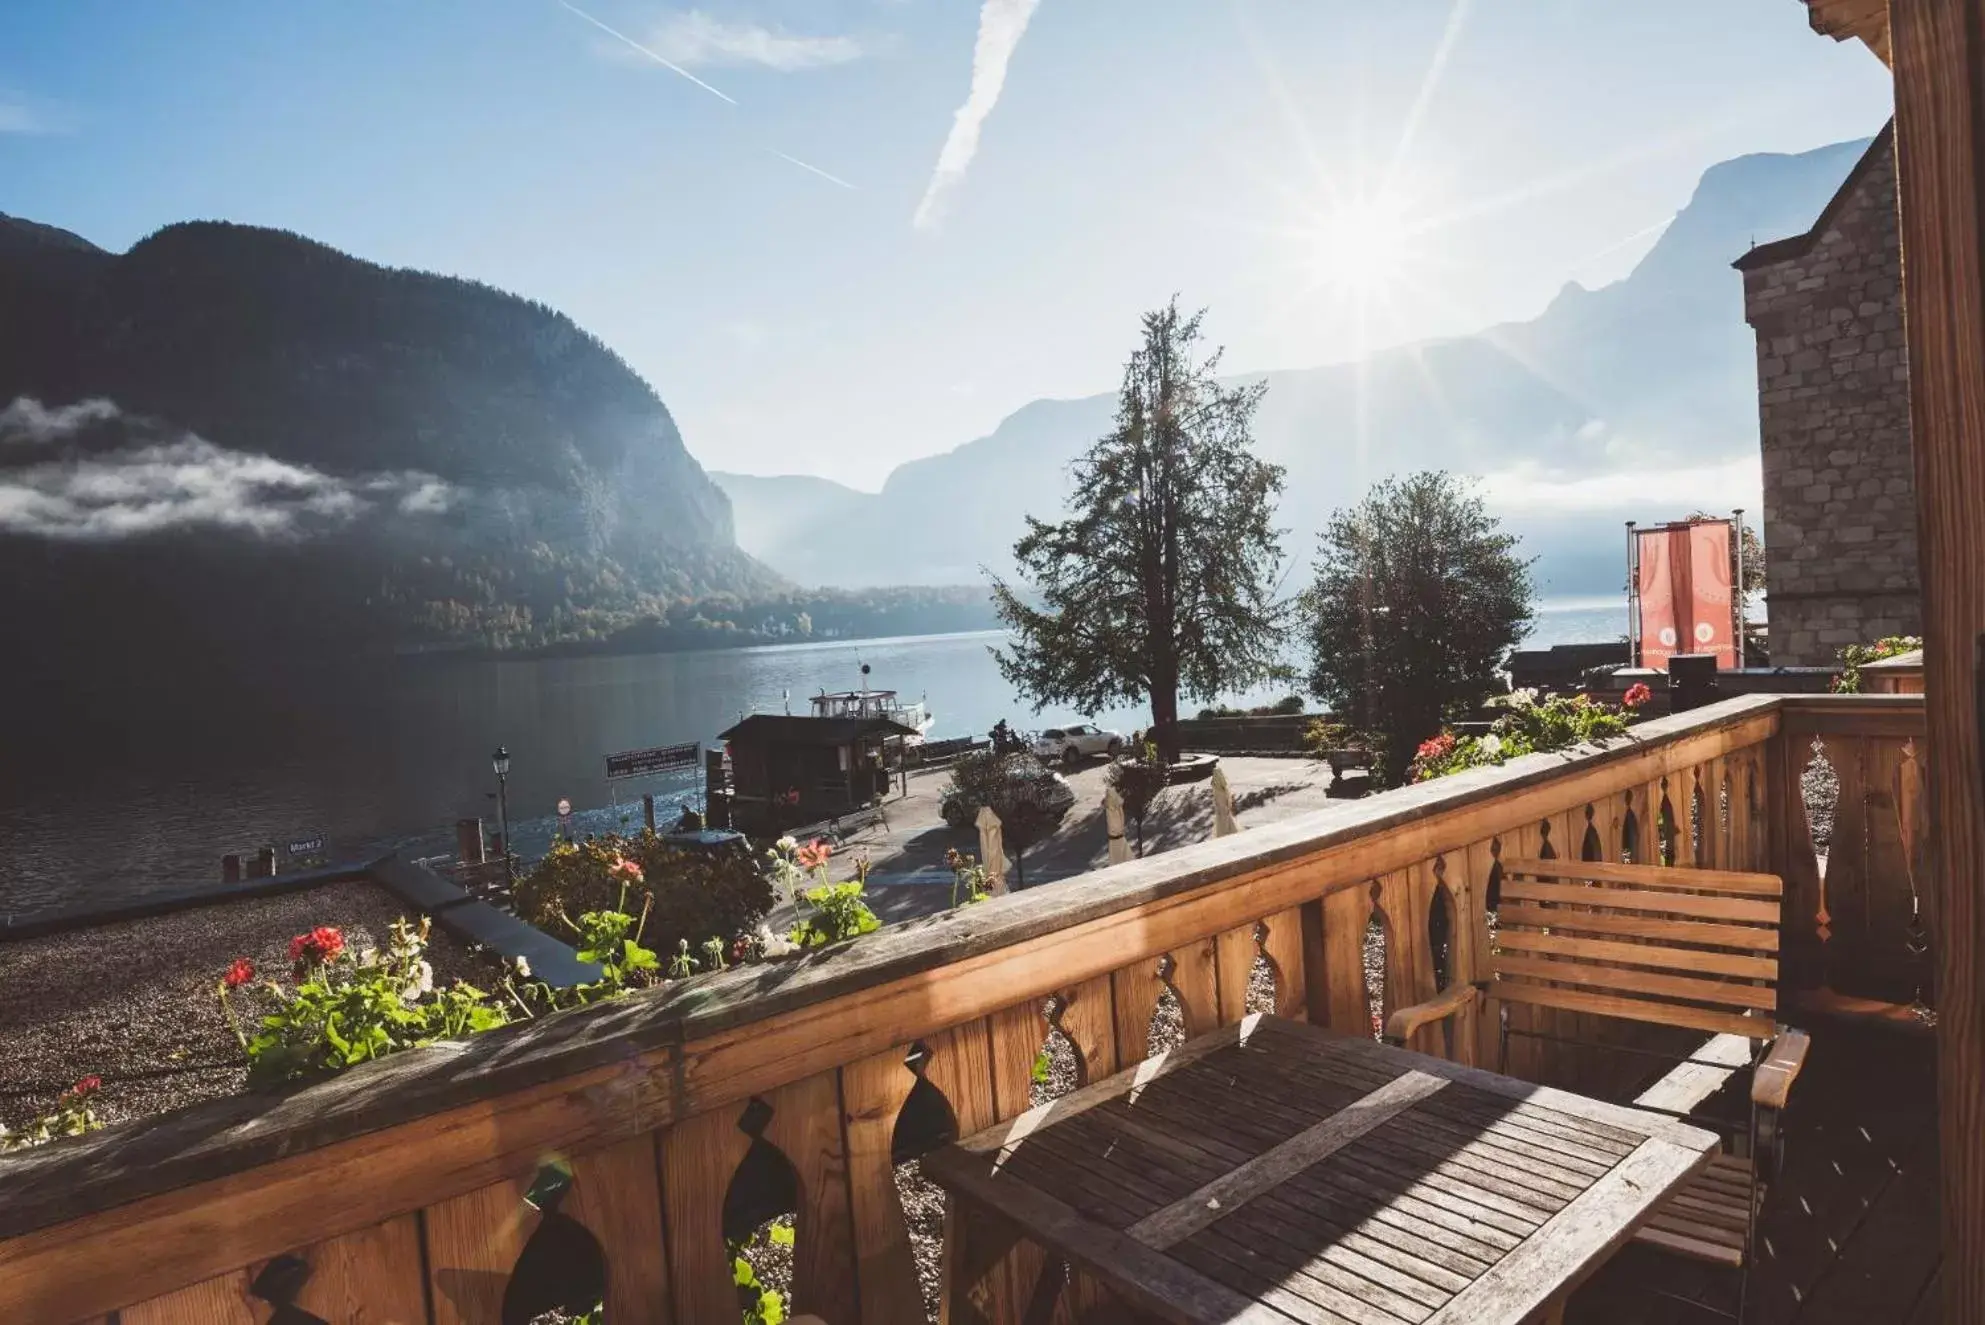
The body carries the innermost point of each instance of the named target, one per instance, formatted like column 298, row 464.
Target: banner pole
column 1738, row 598
column 1633, row 598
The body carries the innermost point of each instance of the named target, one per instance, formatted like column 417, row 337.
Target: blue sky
column 793, row 324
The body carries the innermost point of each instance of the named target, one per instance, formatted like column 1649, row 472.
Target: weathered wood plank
column 1208, row 1202
column 222, row 1300
column 373, row 1274
column 1576, row 1239
column 1652, row 876
column 1565, row 920
column 1636, row 1009
column 473, row 1242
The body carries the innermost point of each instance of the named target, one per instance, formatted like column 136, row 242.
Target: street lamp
column 500, row 761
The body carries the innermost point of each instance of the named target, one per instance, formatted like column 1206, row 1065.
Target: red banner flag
column 1684, row 593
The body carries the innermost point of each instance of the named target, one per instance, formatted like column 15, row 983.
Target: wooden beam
column 1846, row 20
column 1940, row 161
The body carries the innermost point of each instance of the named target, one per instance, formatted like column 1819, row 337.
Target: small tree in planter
column 1139, row 780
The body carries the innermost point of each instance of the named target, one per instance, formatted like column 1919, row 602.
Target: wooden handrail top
column 640, row 1063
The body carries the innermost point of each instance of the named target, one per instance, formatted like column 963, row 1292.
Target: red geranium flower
column 623, row 868
column 1437, row 746
column 814, row 854
column 1637, row 694
column 239, row 973
column 321, row 944
column 87, row 1087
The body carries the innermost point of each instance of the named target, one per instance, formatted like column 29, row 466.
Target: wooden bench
column 1690, row 948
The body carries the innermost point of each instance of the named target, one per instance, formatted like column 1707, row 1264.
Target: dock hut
column 787, row 771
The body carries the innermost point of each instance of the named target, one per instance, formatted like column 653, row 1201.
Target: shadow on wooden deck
column 1849, row 1232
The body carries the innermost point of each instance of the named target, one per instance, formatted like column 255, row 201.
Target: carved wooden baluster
column 1483, row 870
column 1402, row 900
column 1282, row 944
column 1347, row 913
column 1791, row 855
column 873, row 1090
column 1714, row 852
column 1194, row 979
column 222, row 1300
column 1846, row 876
column 616, row 1194
column 1656, row 827
column 372, row 1274
column 1134, row 993
column 1740, row 831
column 1234, row 954
column 1012, row 1279
column 700, row 1156
column 1887, row 968
column 1088, row 1020
column 1609, row 817
column 805, row 1126
column 1527, row 1056
column 473, row 1242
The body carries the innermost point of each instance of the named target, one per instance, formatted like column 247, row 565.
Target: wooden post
column 231, row 868
column 648, row 810
column 1938, row 48
column 469, row 844
column 265, row 863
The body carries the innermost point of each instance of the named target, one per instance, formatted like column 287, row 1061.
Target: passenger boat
column 866, row 703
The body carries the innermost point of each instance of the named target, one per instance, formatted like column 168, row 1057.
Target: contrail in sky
column 831, row 179
column 1001, row 25
column 666, row 64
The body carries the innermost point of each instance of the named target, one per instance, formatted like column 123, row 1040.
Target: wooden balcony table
column 1273, row 1172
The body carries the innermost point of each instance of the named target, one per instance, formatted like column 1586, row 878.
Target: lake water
column 152, row 800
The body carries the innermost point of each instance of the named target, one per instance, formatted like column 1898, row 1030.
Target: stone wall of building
column 1833, row 389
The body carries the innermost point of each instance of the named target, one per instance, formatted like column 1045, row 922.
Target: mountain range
column 1635, row 401
column 233, row 433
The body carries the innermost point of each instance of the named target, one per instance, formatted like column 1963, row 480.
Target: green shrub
column 688, row 896
column 1856, row 656
column 1528, row 725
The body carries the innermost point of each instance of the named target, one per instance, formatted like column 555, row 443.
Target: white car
column 1082, row 740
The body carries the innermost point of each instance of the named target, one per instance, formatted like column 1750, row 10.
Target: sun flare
column 1361, row 246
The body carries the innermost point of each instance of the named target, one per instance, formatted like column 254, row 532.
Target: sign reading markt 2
column 648, row 763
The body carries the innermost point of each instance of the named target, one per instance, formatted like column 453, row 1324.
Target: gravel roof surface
column 133, row 1002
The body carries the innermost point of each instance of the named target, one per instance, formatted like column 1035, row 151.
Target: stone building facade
column 1833, row 392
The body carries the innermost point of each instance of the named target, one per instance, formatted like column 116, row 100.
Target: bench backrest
column 1682, row 947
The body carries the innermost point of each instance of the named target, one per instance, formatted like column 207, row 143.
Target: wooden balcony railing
column 402, row 1186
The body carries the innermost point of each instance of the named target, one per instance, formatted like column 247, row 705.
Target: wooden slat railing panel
column 577, row 1083
column 805, row 1127
column 617, row 1197
column 1346, row 916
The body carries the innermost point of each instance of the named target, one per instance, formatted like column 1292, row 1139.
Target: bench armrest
column 1401, row 1025
column 1772, row 1081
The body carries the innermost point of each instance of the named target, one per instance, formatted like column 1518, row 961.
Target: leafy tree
column 1161, row 580
column 1419, row 596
